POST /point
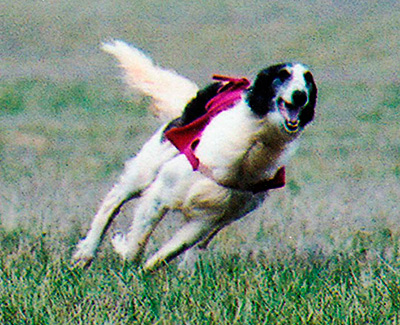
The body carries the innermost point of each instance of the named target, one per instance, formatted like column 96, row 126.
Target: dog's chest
column 261, row 160
column 239, row 150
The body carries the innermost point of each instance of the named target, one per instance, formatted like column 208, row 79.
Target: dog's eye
column 308, row 77
column 283, row 74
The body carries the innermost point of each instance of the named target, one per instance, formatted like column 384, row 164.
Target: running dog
column 223, row 149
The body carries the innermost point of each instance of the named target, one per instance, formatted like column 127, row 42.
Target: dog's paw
column 190, row 260
column 120, row 245
column 151, row 265
column 83, row 262
column 83, row 255
column 129, row 251
column 81, row 259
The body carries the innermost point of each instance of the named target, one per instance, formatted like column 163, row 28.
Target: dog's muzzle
column 290, row 111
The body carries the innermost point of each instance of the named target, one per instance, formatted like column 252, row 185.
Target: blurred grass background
column 68, row 123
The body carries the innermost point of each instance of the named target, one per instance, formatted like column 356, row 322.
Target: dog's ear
column 262, row 91
column 307, row 113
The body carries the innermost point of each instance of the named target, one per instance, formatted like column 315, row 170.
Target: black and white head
column 286, row 94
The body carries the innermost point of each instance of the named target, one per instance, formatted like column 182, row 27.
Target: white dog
column 224, row 149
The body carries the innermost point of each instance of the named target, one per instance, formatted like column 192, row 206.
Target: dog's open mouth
column 291, row 127
column 291, row 115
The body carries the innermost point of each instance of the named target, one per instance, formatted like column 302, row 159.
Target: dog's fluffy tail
column 169, row 91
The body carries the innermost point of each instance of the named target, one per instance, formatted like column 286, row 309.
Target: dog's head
column 286, row 94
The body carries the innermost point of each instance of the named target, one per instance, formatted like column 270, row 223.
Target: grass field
column 323, row 250
column 225, row 289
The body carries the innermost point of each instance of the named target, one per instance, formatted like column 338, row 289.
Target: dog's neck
column 263, row 142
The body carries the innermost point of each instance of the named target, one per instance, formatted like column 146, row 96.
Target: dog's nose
column 299, row 98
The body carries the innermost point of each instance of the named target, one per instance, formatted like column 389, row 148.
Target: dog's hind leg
column 193, row 255
column 138, row 174
column 193, row 232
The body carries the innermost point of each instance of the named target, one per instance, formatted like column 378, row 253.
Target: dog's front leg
column 139, row 172
column 150, row 209
column 109, row 208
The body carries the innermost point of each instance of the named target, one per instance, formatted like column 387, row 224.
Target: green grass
column 38, row 288
column 323, row 250
column 289, row 266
